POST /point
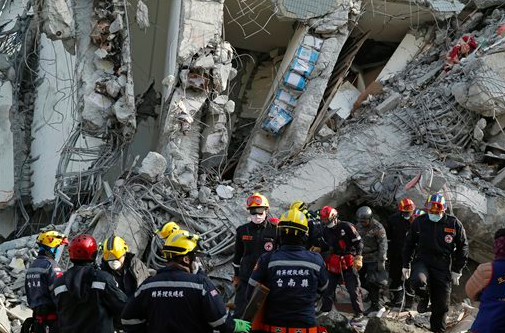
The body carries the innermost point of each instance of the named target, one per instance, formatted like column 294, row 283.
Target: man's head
column 49, row 241
column 364, row 215
column 257, row 205
column 114, row 252
column 181, row 247
column 293, row 227
column 329, row 216
column 435, row 207
column 83, row 249
column 406, row 207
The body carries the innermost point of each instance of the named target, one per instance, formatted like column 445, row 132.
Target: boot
column 396, row 299
column 374, row 307
column 422, row 306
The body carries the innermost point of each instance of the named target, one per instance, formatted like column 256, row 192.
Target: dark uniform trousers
column 396, row 275
column 439, row 291
column 372, row 280
column 351, row 280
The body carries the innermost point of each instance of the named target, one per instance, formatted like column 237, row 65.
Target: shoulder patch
column 451, row 230
column 247, row 237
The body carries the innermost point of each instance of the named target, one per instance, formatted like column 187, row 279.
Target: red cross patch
column 268, row 246
column 448, row 239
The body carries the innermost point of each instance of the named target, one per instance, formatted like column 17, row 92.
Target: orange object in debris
column 336, row 264
column 501, row 30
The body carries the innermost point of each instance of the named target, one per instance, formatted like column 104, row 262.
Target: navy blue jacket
column 87, row 300
column 39, row 276
column 295, row 276
column 491, row 316
column 251, row 241
column 176, row 301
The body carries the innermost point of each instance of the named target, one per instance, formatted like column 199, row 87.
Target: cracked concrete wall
column 6, row 146
column 53, row 117
column 330, row 32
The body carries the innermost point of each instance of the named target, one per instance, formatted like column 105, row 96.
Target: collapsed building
column 119, row 117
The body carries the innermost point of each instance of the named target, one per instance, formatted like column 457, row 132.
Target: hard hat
column 364, row 214
column 114, row 248
column 436, row 204
column 180, row 243
column 257, row 200
column 51, row 239
column 83, row 247
column 167, row 229
column 299, row 205
column 418, row 212
column 294, row 220
column 406, row 205
column 327, row 214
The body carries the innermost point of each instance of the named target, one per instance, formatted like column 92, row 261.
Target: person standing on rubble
column 315, row 228
column 294, row 276
column 344, row 246
column 397, row 228
column 373, row 275
column 128, row 271
column 176, row 300
column 39, row 277
column 487, row 286
column 439, row 243
column 87, row 299
column 252, row 240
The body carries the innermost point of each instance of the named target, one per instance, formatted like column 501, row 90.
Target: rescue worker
column 315, row 228
column 87, row 299
column 175, row 300
column 397, row 228
column 344, row 246
column 39, row 277
column 252, row 240
column 294, row 276
column 486, row 286
column 128, row 271
column 373, row 275
column 440, row 246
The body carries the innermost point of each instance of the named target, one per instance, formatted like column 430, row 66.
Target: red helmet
column 83, row 247
column 406, row 205
column 328, row 213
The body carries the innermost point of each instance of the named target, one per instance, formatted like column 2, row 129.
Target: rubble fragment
column 153, row 166
column 142, row 15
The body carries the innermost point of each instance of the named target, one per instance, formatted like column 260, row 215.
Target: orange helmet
column 406, row 205
column 257, row 200
column 327, row 214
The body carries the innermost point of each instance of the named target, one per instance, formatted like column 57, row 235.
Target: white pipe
column 174, row 18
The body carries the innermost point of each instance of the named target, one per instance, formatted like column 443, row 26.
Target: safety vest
column 491, row 316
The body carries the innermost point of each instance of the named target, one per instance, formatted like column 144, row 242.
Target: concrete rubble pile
column 417, row 128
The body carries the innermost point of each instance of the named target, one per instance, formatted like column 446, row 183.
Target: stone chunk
column 380, row 325
column 17, row 265
column 204, row 194
column 142, row 15
column 487, row 3
column 153, row 166
column 224, row 191
column 221, row 74
column 389, row 103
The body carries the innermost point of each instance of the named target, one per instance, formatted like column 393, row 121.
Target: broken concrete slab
column 201, row 22
column 481, row 93
column 487, row 3
column 5, row 324
column 389, row 103
column 344, row 100
column 404, row 53
column 221, row 76
column 153, row 166
column 325, row 133
column 385, row 325
column 58, row 22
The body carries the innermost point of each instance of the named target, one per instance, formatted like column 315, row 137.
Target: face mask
column 115, row 264
column 258, row 219
column 406, row 216
column 435, row 217
column 331, row 224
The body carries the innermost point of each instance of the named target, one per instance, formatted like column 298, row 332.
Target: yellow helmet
column 295, row 221
column 298, row 205
column 180, row 243
column 114, row 248
column 51, row 239
column 257, row 200
column 168, row 229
